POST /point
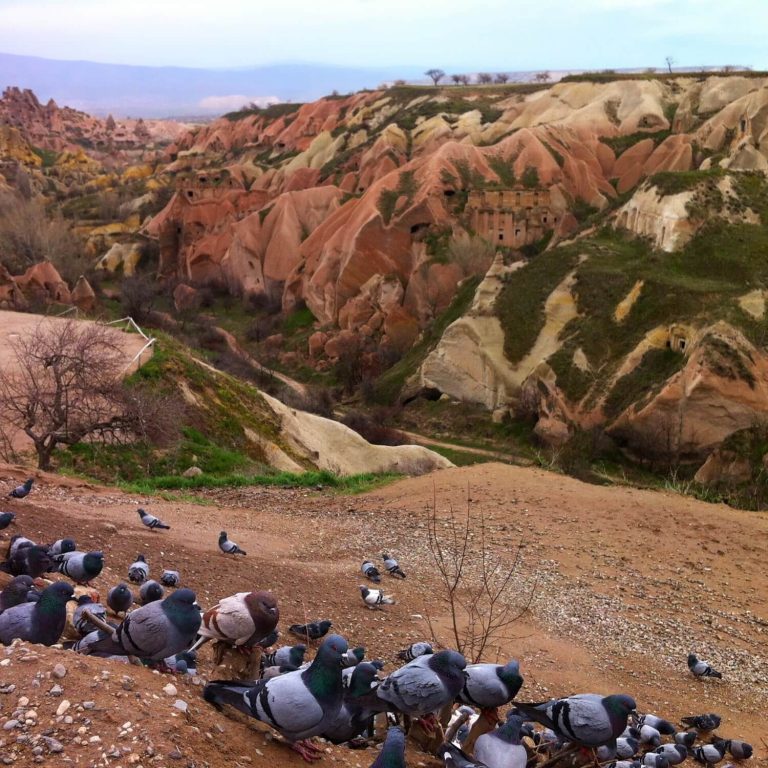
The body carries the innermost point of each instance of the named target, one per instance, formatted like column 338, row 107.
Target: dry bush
column 481, row 587
column 314, row 400
column 472, row 253
column 374, row 430
column 66, row 387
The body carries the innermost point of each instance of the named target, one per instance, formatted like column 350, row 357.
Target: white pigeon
column 375, row 598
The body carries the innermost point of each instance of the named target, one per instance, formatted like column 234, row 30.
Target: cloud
column 234, row 102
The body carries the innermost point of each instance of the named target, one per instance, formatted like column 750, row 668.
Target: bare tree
column 502, row 77
column 480, row 588
column 543, row 77
column 669, row 61
column 65, row 386
column 456, row 79
column 484, row 78
column 436, row 75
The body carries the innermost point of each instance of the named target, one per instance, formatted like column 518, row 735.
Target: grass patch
column 458, row 457
column 272, row 112
column 675, row 182
column 299, row 319
column 620, row 144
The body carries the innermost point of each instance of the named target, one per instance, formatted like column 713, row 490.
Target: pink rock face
column 43, row 281
column 185, row 298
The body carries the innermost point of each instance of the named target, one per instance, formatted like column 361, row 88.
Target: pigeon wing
column 413, row 689
column 287, row 704
column 17, row 622
column 230, row 620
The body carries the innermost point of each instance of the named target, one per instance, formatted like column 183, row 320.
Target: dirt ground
column 625, row 583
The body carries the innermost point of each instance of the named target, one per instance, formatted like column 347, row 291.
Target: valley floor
column 626, row 582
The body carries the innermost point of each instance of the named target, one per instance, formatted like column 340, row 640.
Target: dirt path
column 626, row 581
column 428, row 442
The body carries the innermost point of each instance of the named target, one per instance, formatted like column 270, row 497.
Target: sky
column 456, row 35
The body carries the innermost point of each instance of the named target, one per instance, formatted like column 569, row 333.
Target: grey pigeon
column 61, row 546
column 152, row 632
column 626, row 748
column 414, row 650
column 6, row 518
column 392, row 567
column 587, row 718
column 299, row 705
column 359, row 704
column 425, row 685
column 83, row 625
column 707, row 754
column 15, row 592
column 392, row 754
column 269, row 640
column 375, row 598
column 170, row 579
column 138, row 571
column 287, row 656
column 30, row 560
column 353, row 657
column 489, row 686
column 647, row 734
column 675, row 753
column 370, row 571
column 502, row 747
column 22, row 491
column 81, row 567
column 41, row 622
column 686, row 738
column 701, row 668
column 18, row 542
column 739, row 750
column 655, row 760
column 312, row 631
column 453, row 757
column 707, row 722
column 152, row 522
column 664, row 727
column 120, row 598
column 229, row 547
column 150, row 591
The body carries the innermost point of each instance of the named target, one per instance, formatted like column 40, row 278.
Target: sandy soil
column 626, row 583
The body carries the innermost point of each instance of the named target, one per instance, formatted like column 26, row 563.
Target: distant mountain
column 136, row 91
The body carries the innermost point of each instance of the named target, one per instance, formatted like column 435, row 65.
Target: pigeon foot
column 309, row 752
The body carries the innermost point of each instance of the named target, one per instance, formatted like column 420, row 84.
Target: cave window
column 743, row 125
column 449, row 192
column 517, row 233
column 501, row 235
column 544, row 219
column 190, row 194
column 681, row 344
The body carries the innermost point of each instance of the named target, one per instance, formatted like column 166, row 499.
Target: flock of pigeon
column 339, row 695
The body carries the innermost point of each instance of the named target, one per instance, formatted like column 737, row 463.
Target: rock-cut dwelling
column 511, row 217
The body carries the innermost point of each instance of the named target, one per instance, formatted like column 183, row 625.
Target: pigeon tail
column 232, row 692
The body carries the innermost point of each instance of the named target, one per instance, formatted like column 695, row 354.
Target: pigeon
column 287, row 656
column 425, row 685
column 686, row 738
column 489, row 686
column 453, row 757
column 626, row 748
column 353, row 657
column 170, row 579
column 414, row 650
column 22, row 491
column 312, row 631
column 675, row 753
column 81, row 567
column 664, row 727
column 184, row 662
column 41, row 622
column 502, row 748
column 375, row 598
column 707, row 754
column 298, row 705
column 18, row 542
column 150, row 591
column 647, row 734
column 229, row 547
column 138, row 572
column 370, row 571
column 359, row 704
column 701, row 668
column 269, row 640
column 152, row 522
column 15, row 592
column 708, row 722
column 82, row 624
column 29, row 560
column 392, row 567
column 6, row 518
column 120, row 598
column 240, row 620
column 62, row 546
column 392, row 754
column 740, row 750
column 587, row 718
column 153, row 632
column 655, row 760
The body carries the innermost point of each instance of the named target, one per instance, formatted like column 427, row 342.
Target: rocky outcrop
column 43, row 283
column 664, row 219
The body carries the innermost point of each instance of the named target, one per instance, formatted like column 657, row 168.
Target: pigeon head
column 181, row 607
column 142, row 512
column 392, row 754
column 38, row 561
column 323, row 676
column 55, row 595
column 151, row 591
column 262, row 606
column 16, row 592
column 84, row 600
column 449, row 665
column 269, row 640
column 619, row 707
column 141, row 558
column 93, row 562
column 296, row 655
column 28, row 484
column 181, row 667
column 509, row 674
column 363, row 679
column 222, row 537
column 333, row 646
column 510, row 731
column 686, row 738
column 692, row 659
column 67, row 545
column 325, row 625
column 359, row 653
